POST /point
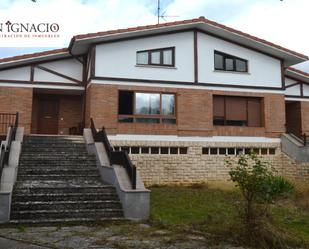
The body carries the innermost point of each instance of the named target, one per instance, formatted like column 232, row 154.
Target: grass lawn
column 214, row 212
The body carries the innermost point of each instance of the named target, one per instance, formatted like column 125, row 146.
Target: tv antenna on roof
column 162, row 15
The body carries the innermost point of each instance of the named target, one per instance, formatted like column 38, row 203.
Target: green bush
column 260, row 186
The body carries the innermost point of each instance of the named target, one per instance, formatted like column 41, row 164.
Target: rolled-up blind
column 218, row 106
column 236, row 108
column 254, row 112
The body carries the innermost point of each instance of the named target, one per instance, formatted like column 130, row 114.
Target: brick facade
column 70, row 113
column 305, row 116
column 17, row 99
column 194, row 113
column 196, row 167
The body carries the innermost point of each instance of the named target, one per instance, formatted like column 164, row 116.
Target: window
column 237, row 151
column 226, row 62
column 141, row 107
column 154, row 150
column 157, row 57
column 237, row 111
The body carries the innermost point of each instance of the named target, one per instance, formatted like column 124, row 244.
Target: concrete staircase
column 294, row 148
column 58, row 181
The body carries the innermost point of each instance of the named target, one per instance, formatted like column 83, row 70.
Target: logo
column 23, row 28
column 30, row 33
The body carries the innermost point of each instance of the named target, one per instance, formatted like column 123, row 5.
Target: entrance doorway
column 48, row 112
column 293, row 117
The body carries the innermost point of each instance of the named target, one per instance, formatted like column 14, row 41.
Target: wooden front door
column 48, row 116
column 293, row 118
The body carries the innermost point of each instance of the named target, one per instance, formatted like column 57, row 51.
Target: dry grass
column 213, row 209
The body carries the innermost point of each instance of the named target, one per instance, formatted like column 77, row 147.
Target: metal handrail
column 2, row 155
column 115, row 157
column 5, row 149
column 6, row 120
column 303, row 138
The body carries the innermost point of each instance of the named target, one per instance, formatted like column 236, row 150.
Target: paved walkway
column 13, row 244
column 104, row 236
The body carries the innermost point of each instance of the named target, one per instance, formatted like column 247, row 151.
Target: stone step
column 50, row 149
column 79, row 177
column 90, row 166
column 66, row 213
column 56, row 145
column 65, row 183
column 27, row 138
column 64, row 204
column 61, row 187
column 60, row 144
column 57, row 163
column 57, row 170
column 64, row 220
column 59, row 154
column 61, row 172
column 39, row 158
column 106, row 194
column 55, row 139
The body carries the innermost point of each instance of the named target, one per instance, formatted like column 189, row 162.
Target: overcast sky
column 282, row 22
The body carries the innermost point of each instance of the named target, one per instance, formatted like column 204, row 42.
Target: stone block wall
column 196, row 167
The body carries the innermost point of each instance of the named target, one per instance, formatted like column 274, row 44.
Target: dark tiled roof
column 298, row 71
column 34, row 55
column 148, row 27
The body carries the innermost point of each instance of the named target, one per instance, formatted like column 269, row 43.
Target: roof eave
column 297, row 75
column 33, row 60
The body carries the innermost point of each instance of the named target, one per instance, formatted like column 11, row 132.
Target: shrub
column 260, row 186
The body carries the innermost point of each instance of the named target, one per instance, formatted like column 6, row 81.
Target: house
column 177, row 96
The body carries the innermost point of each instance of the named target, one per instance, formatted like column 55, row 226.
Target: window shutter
column 254, row 113
column 218, row 106
column 236, row 108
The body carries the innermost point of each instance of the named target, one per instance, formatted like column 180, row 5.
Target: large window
column 226, row 62
column 237, row 111
column 143, row 107
column 157, row 57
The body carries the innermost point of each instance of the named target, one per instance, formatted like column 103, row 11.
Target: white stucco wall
column 68, row 67
column 41, row 75
column 306, row 90
column 22, row 73
column 118, row 59
column 264, row 71
column 293, row 90
column 289, row 81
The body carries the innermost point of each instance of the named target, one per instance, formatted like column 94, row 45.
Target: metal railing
column 303, row 138
column 5, row 149
column 6, row 120
column 115, row 157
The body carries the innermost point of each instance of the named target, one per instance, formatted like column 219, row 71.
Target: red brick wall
column 34, row 120
column 194, row 113
column 70, row 113
column 17, row 99
column 305, row 117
